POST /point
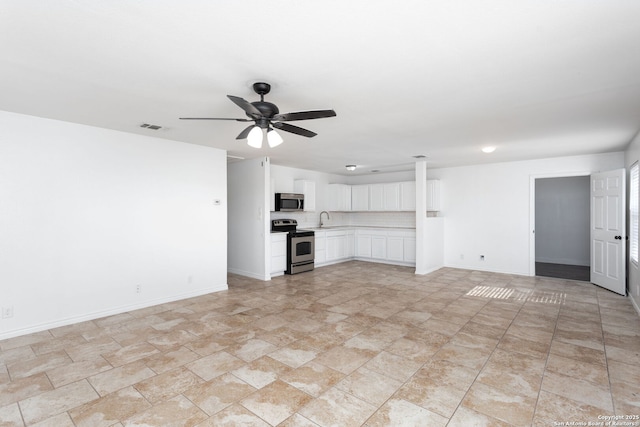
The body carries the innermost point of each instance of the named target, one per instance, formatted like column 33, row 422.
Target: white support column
column 421, row 217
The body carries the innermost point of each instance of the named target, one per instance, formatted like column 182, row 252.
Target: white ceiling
column 441, row 78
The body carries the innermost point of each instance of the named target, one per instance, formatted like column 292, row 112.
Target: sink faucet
column 328, row 217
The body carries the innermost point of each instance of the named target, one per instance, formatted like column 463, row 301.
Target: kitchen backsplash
column 371, row 219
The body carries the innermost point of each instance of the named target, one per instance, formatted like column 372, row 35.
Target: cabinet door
column 395, row 248
column 408, row 196
column 320, row 247
column 351, row 243
column 278, row 254
column 409, row 249
column 359, row 197
column 379, row 247
column 391, row 196
column 339, row 197
column 363, row 246
column 308, row 188
column 376, row 197
column 433, row 195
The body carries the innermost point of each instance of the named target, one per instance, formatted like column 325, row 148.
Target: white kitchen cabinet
column 336, row 245
column 408, row 196
column 433, row 195
column 320, row 245
column 351, row 234
column 384, row 197
column 278, row 253
column 386, row 245
column 339, row 197
column 359, row 197
column 363, row 246
column 308, row 188
column 395, row 248
column 409, row 249
column 391, row 196
column 376, row 197
column 379, row 247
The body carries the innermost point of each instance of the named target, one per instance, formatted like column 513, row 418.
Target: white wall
column 88, row 214
column 562, row 215
column 632, row 155
column 249, row 240
column 486, row 209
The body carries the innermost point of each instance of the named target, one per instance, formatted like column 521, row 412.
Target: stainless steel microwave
column 289, row 202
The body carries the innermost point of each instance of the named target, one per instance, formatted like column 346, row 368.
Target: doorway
column 562, row 227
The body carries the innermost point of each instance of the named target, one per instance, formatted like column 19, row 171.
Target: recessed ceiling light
column 375, row 170
column 351, row 167
column 489, row 149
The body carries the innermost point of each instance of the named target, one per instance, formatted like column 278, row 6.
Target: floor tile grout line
column 606, row 357
column 483, row 366
column 546, row 362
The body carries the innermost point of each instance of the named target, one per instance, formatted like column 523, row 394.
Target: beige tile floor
column 346, row 345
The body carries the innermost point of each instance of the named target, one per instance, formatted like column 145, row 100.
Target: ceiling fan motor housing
column 266, row 108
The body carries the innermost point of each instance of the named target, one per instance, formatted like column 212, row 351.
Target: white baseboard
column 250, row 274
column 635, row 304
column 109, row 312
column 488, row 270
column 430, row 270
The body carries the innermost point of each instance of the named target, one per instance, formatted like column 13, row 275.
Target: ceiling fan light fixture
column 351, row 167
column 273, row 138
column 254, row 139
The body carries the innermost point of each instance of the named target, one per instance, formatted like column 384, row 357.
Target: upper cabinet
column 384, row 197
column 376, row 197
column 359, row 197
column 392, row 196
column 408, row 196
column 308, row 188
column 339, row 197
column 433, row 195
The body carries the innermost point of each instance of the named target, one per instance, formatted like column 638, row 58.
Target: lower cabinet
column 409, row 249
column 366, row 244
column 321, row 248
column 278, row 253
column 392, row 246
column 379, row 247
column 363, row 246
column 395, row 248
column 334, row 246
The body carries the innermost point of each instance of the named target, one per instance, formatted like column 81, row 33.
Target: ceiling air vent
column 152, row 127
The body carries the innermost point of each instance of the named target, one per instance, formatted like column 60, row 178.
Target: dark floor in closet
column 563, row 271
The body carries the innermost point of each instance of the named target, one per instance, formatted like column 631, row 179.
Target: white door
column 608, row 237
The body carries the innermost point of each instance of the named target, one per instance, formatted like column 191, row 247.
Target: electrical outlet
column 7, row 312
column 481, row 257
column 461, row 256
column 138, row 289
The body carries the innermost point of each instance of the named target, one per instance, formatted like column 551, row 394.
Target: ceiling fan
column 266, row 115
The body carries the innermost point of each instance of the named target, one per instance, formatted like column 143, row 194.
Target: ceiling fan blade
column 245, row 133
column 304, row 115
column 214, row 118
column 246, row 106
column 294, row 129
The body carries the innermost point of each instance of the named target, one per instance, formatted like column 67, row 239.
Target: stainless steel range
column 300, row 245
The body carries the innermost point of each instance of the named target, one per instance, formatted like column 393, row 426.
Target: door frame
column 532, row 210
